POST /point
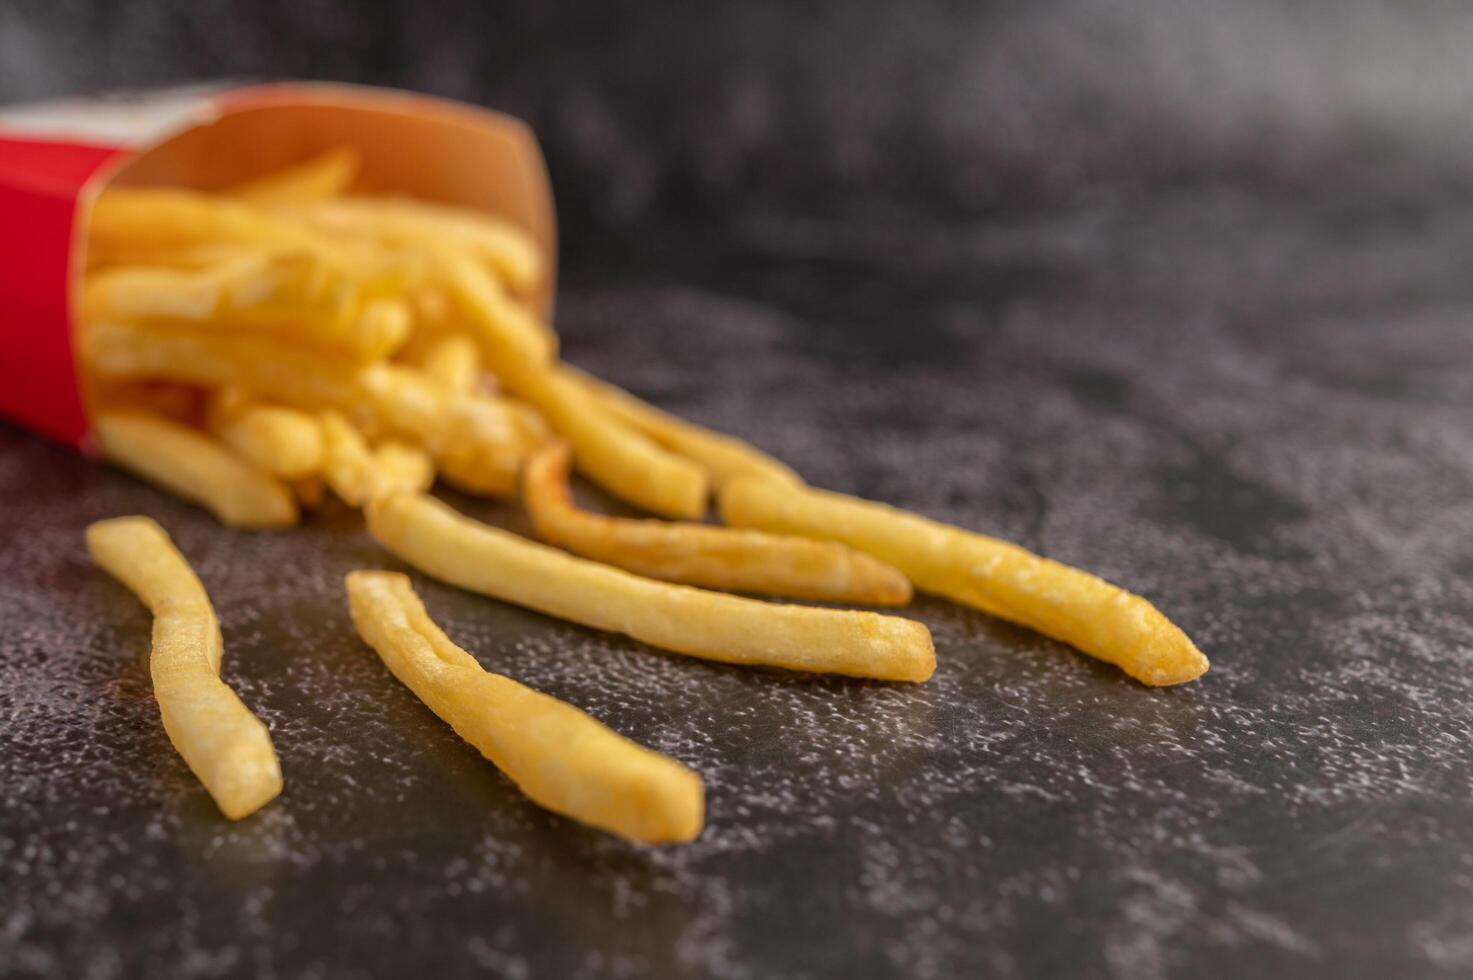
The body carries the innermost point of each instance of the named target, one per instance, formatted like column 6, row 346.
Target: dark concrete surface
column 1254, row 409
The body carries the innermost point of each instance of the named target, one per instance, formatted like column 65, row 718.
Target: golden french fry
column 438, row 541
column 513, row 343
column 452, row 361
column 125, row 219
column 560, row 757
column 196, row 468
column 502, row 246
column 293, row 298
column 484, row 443
column 702, row 554
column 319, row 178
column 284, row 442
column 358, row 474
column 129, row 291
column 1098, row 618
column 724, row 457
column 225, row 746
column 617, row 458
column 478, row 440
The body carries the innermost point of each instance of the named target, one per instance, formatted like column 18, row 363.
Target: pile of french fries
column 256, row 349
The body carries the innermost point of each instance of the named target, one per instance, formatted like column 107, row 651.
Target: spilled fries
column 710, row 625
column 706, row 555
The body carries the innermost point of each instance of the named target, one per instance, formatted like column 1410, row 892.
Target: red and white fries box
column 55, row 158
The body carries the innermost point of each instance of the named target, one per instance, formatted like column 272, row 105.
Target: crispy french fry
column 319, row 178
column 560, row 757
column 195, row 467
column 724, row 457
column 502, row 246
column 358, row 474
column 477, row 440
column 701, row 554
column 617, row 458
column 452, row 361
column 1098, row 618
column 226, row 746
column 435, row 539
column 285, row 442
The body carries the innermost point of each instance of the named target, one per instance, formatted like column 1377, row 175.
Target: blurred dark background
column 728, row 115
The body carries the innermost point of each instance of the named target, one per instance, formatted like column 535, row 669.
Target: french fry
column 617, row 458
column 1002, row 579
column 710, row 625
column 501, row 246
column 224, row 745
column 194, row 467
column 701, row 554
column 476, row 439
column 723, row 456
column 319, row 178
column 514, row 344
column 126, row 219
column 358, row 474
column 452, row 362
column 284, row 442
column 288, row 297
column 558, row 756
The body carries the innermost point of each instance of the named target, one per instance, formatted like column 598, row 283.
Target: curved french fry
column 617, row 458
column 196, row 468
column 560, row 757
column 225, row 746
column 1090, row 614
column 709, row 556
column 724, row 457
column 438, row 541
column 285, row 442
column 319, row 178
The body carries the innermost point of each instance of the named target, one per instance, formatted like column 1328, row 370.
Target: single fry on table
column 223, row 743
column 1090, row 614
column 560, row 757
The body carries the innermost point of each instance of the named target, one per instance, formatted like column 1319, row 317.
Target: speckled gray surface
column 1255, row 411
